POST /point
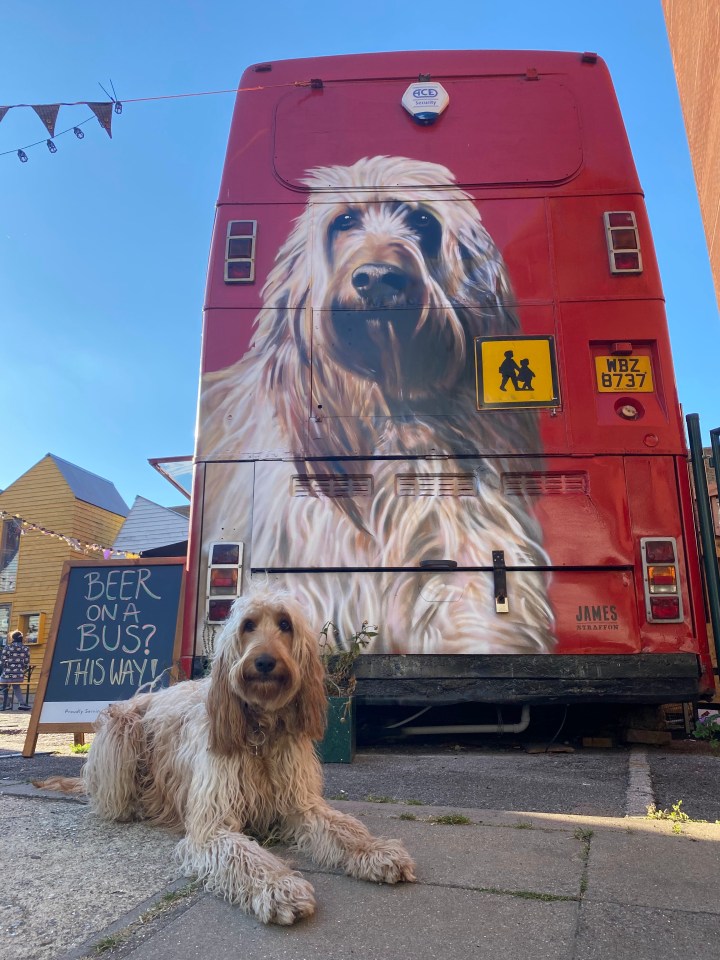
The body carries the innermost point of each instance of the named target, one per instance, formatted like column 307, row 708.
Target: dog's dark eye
column 428, row 230
column 421, row 220
column 346, row 221
column 285, row 625
column 249, row 626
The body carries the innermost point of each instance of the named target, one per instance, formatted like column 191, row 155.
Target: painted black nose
column 378, row 281
column 265, row 663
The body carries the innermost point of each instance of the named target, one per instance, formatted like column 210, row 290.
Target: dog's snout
column 375, row 281
column 265, row 663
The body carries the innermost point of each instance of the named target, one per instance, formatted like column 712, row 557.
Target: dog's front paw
column 383, row 861
column 284, row 899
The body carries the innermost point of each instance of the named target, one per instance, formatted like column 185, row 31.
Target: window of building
column 32, row 626
column 9, row 550
column 5, row 609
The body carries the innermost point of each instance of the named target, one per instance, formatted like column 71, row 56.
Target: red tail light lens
column 219, row 610
column 665, row 608
column 660, row 551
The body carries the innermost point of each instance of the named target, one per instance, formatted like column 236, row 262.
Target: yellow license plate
column 624, row 375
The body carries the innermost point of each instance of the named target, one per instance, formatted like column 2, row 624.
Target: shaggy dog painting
column 230, row 759
column 364, row 349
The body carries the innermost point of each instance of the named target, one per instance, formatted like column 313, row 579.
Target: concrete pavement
column 491, row 883
column 519, row 854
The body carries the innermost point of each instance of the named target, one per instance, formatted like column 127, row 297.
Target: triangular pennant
column 48, row 114
column 3, row 111
column 103, row 111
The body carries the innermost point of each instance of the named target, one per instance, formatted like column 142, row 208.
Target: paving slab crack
column 640, row 794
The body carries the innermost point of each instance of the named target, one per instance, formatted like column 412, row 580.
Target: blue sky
column 104, row 245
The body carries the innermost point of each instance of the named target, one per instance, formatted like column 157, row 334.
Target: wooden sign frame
column 35, row 727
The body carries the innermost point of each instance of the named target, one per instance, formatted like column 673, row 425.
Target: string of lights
column 102, row 111
column 73, row 542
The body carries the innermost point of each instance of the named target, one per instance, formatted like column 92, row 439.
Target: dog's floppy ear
column 225, row 712
column 310, row 704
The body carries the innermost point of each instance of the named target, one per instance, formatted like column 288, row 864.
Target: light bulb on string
column 22, row 156
column 78, row 133
column 51, row 146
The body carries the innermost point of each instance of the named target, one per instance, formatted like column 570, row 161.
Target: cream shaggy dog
column 230, row 759
column 364, row 348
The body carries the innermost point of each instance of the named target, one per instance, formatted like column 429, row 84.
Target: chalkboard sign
column 116, row 628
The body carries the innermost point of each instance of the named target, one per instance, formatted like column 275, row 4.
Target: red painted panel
column 492, row 126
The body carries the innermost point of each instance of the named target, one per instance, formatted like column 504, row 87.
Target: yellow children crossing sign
column 521, row 372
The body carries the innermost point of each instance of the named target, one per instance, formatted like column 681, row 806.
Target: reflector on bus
column 240, row 251
column 623, row 241
column 660, row 579
column 224, row 580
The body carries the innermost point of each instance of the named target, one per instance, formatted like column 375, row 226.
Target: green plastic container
column 338, row 745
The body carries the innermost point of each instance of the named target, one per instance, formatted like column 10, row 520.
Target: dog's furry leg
column 335, row 839
column 112, row 774
column 245, row 873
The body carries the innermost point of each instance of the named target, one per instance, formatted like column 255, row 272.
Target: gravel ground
column 66, row 874
column 58, row 888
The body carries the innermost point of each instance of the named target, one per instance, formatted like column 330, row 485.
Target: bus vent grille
column 544, row 484
column 333, row 486
column 435, row 485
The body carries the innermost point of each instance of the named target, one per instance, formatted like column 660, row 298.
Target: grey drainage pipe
column 522, row 724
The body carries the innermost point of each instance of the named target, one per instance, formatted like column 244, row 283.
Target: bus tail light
column 224, row 580
column 665, row 608
column 663, row 602
column 623, row 241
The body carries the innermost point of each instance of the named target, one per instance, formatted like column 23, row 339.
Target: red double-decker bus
column 437, row 390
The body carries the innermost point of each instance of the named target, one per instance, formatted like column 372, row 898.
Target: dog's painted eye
column 249, row 626
column 428, row 230
column 285, row 625
column 420, row 220
column 346, row 221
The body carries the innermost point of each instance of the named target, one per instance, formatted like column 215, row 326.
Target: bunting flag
column 87, row 548
column 103, row 111
column 48, row 114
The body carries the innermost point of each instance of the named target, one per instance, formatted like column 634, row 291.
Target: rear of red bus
column 437, row 389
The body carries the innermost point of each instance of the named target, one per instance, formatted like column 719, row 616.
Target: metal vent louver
column 333, row 486
column 544, row 484
column 435, row 485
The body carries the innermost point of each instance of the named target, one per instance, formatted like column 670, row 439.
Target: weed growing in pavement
column 414, row 803
column 450, row 819
column 79, row 747
column 675, row 814
column 371, row 798
column 407, row 816
column 522, row 825
column 584, row 836
column 527, row 894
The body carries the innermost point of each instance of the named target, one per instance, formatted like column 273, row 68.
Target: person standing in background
column 13, row 667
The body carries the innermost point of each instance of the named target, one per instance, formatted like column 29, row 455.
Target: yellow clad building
column 47, row 516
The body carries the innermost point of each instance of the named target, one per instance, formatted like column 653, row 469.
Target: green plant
column 407, row 816
column 339, row 657
column 450, row 819
column 675, row 813
column 708, row 728
column 79, row 747
column 371, row 798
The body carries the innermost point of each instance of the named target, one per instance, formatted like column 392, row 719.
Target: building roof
column 148, row 525
column 90, row 488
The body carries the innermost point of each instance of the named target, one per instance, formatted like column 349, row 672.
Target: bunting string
column 103, row 112
column 78, row 545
